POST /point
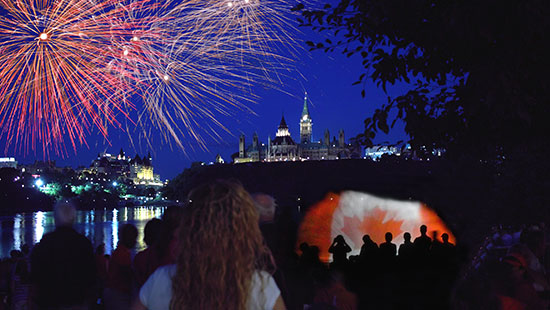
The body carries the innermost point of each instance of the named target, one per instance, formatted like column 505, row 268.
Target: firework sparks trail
column 70, row 67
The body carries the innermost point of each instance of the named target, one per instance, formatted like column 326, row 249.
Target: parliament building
column 284, row 148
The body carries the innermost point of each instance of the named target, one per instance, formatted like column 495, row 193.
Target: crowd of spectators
column 212, row 251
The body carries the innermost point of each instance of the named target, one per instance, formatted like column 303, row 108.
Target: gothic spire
column 283, row 123
column 305, row 111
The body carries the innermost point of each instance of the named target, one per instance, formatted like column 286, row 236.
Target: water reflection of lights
column 18, row 223
column 114, row 228
column 99, row 225
column 38, row 226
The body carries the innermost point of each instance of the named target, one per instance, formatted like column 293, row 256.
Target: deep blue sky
column 334, row 104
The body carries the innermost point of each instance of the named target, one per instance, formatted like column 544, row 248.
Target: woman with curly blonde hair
column 223, row 263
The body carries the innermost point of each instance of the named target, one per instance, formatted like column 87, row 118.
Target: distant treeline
column 471, row 197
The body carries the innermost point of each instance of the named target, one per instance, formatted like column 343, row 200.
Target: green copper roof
column 305, row 111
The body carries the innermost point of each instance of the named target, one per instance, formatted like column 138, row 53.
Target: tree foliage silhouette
column 478, row 70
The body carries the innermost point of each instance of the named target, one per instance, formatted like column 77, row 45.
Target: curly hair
column 221, row 247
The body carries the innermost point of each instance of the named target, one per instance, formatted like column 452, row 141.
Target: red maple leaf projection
column 315, row 227
column 373, row 224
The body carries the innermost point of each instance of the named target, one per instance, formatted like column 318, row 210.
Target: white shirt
column 156, row 293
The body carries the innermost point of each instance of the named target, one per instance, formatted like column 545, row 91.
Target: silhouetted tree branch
column 478, row 70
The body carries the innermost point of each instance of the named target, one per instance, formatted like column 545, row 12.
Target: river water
column 100, row 226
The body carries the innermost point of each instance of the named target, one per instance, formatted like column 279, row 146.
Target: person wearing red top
column 336, row 294
column 117, row 294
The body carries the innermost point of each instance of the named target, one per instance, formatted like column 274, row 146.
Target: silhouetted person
column 63, row 271
column 369, row 249
column 422, row 244
column 406, row 249
column 436, row 250
column 266, row 206
column 166, row 247
column 335, row 294
column 117, row 294
column 388, row 249
column 102, row 267
column 531, row 249
column 148, row 260
column 449, row 249
column 339, row 249
column 305, row 259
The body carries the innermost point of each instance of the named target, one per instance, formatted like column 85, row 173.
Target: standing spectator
column 148, row 260
column 102, row 266
column 63, row 269
column 422, row 244
column 388, row 249
column 117, row 294
column 223, row 262
column 369, row 249
column 406, row 249
column 335, row 295
column 339, row 249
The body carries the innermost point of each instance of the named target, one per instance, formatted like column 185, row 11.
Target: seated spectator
column 222, row 264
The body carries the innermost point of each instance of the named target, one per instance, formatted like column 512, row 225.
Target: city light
column 115, row 183
column 39, row 183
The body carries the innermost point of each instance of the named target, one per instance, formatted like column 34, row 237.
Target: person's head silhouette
column 407, row 237
column 304, row 247
column 389, row 237
column 128, row 236
column 445, row 238
column 366, row 239
column 339, row 238
column 423, row 230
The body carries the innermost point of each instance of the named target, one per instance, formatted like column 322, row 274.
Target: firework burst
column 70, row 67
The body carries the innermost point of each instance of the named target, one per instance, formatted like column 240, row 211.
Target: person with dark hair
column 102, row 267
column 223, row 262
column 422, row 244
column 148, row 260
column 335, row 294
column 388, row 249
column 63, row 272
column 339, row 249
column 531, row 249
column 406, row 249
column 117, row 294
column 369, row 250
column 166, row 247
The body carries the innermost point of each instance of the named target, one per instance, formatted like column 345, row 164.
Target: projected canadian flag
column 354, row 214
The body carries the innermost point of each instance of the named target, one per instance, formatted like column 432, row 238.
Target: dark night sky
column 334, row 104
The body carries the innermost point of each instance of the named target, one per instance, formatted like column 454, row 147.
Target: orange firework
column 69, row 67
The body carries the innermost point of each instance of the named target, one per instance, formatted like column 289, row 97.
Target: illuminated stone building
column 8, row 162
column 137, row 170
column 284, row 148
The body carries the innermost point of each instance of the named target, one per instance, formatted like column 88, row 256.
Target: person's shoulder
column 165, row 272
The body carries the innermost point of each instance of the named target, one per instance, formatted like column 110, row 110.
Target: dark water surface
column 100, row 226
